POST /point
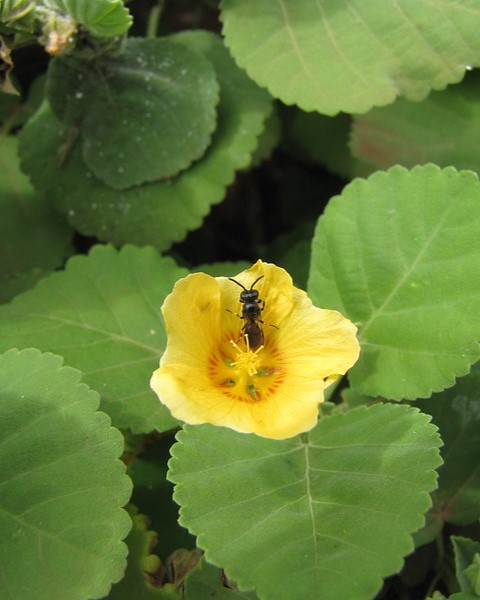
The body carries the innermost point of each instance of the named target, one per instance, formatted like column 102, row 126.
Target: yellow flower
column 209, row 373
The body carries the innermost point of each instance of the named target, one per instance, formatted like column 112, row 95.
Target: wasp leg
column 234, row 313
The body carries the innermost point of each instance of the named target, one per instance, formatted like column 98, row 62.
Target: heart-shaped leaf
column 324, row 516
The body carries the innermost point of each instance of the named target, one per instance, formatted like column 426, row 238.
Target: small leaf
column 61, row 484
column 104, row 18
column 207, row 581
column 32, row 236
column 456, row 412
column 6, row 67
column 330, row 514
column 467, row 556
column 143, row 115
column 9, row 106
column 162, row 212
column 152, row 493
column 395, row 254
column 18, row 14
column 145, row 571
column 443, row 129
column 103, row 315
column 351, row 56
column 15, row 110
column 472, row 573
column 181, row 562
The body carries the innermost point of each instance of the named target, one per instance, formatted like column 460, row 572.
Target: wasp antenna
column 238, row 283
column 257, row 279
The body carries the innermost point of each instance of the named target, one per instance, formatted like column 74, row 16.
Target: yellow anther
column 246, row 360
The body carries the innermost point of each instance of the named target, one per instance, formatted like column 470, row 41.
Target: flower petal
column 192, row 314
column 318, row 341
column 191, row 400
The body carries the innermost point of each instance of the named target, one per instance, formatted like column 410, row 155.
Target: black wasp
column 251, row 313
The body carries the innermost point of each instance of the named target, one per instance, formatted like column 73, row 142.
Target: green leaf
column 181, row 563
column 12, row 287
column 206, row 582
column 144, row 571
column 467, row 553
column 104, row 18
column 326, row 517
column 152, row 494
column 61, row 484
column 321, row 140
column 443, row 129
column 18, row 14
column 268, row 140
column 32, row 236
column 103, row 315
column 456, row 412
column 163, row 212
column 9, row 103
column 396, row 254
column 430, row 531
column 472, row 573
column 143, row 115
column 15, row 110
column 353, row 399
column 350, row 56
column 292, row 251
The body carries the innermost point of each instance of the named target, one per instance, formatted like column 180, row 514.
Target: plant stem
column 154, row 19
column 304, row 437
column 440, row 562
